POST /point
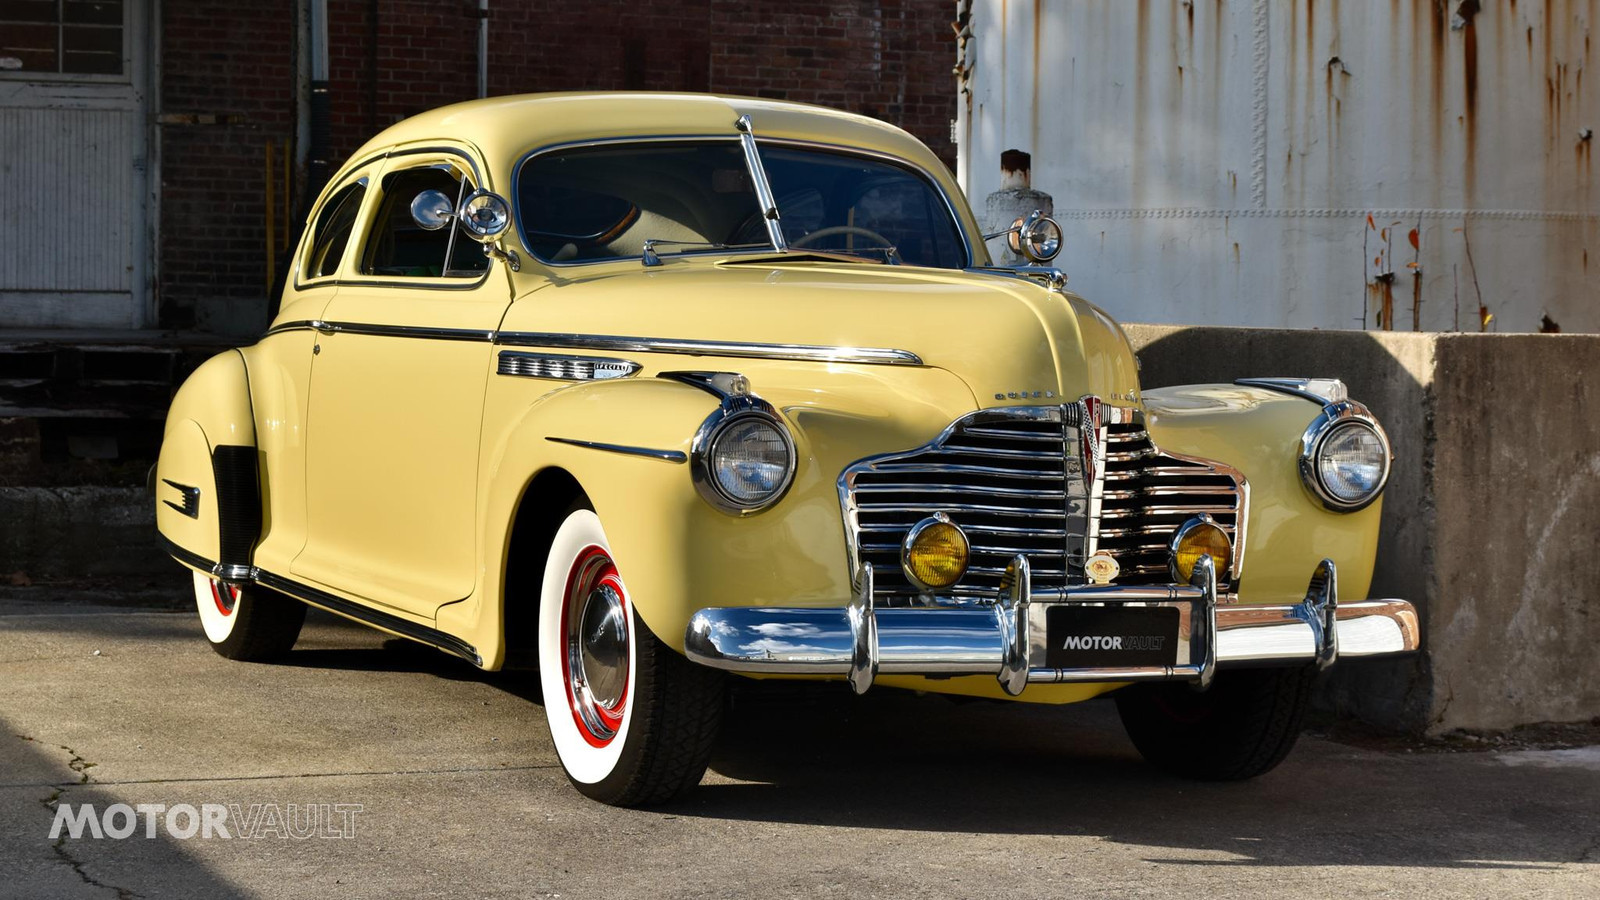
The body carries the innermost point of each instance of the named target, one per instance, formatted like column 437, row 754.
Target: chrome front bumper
column 1006, row 637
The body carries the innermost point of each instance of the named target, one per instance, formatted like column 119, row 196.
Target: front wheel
column 633, row 721
column 247, row 622
column 1243, row 726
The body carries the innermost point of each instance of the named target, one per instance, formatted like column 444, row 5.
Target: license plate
column 1096, row 637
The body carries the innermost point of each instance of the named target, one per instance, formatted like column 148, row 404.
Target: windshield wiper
column 651, row 258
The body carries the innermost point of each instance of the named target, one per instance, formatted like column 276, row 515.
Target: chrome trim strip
column 857, row 641
column 406, row 628
column 1317, row 390
column 376, row 330
column 798, row 352
column 449, row 643
column 867, row 356
column 672, row 456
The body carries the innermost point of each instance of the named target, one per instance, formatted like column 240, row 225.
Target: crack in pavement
column 64, row 856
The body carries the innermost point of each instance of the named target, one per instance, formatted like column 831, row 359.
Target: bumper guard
column 1006, row 637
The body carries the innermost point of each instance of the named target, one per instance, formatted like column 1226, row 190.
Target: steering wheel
column 805, row 240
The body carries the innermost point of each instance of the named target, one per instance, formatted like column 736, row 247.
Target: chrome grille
column 1148, row 494
column 1013, row 479
column 1002, row 475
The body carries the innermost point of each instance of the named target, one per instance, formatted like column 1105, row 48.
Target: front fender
column 1288, row 531
column 675, row 551
column 206, row 492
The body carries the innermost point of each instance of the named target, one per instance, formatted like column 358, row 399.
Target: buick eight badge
column 647, row 392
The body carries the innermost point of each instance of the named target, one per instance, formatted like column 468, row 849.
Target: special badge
column 1101, row 568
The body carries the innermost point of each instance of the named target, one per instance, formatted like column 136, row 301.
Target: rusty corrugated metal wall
column 1315, row 163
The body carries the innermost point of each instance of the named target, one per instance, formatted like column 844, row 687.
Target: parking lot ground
column 447, row 786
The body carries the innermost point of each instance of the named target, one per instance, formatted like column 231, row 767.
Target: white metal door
column 75, row 248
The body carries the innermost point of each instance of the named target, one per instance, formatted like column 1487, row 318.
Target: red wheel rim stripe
column 604, row 572
column 217, row 588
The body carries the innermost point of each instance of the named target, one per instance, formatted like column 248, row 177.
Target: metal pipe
column 483, row 48
column 321, row 117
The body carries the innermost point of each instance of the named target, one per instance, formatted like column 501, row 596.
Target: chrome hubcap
column 603, row 645
column 595, row 625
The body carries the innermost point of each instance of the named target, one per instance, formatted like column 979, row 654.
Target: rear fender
column 207, row 492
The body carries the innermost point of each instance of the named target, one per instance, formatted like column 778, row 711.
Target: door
column 74, row 140
column 397, row 386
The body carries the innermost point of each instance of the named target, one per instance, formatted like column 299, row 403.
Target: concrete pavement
column 813, row 793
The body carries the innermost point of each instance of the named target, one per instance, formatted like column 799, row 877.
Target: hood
column 1011, row 341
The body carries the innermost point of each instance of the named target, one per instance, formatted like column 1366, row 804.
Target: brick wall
column 393, row 58
column 227, row 87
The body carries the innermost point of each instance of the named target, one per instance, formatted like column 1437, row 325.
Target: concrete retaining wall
column 77, row 532
column 1492, row 516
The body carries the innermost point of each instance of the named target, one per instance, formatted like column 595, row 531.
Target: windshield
column 587, row 204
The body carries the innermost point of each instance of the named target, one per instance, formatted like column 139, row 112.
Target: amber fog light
column 1200, row 536
column 934, row 554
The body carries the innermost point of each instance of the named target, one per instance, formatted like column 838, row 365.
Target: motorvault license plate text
column 1111, row 636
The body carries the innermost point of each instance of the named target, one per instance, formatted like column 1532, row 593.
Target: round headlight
column 748, row 462
column 934, row 553
column 1345, row 459
column 1200, row 536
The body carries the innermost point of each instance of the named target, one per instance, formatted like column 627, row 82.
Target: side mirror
column 432, row 210
column 484, row 216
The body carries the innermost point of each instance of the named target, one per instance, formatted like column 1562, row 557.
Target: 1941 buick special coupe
column 641, row 390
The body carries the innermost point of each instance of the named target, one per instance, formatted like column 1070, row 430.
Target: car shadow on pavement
column 37, row 779
column 814, row 754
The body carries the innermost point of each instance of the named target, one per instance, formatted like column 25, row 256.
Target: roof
column 505, row 128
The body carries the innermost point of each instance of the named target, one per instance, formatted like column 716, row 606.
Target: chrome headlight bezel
column 703, row 448
column 1334, row 418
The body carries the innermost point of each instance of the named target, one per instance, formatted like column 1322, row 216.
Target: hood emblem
column 1025, row 395
column 1101, row 568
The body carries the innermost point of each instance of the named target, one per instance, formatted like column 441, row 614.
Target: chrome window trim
column 522, row 161
column 302, row 251
column 1331, row 417
column 672, row 456
column 374, row 159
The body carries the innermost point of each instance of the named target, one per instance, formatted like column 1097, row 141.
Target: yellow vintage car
column 644, row 389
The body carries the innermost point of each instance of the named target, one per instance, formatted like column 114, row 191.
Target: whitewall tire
column 632, row 721
column 247, row 622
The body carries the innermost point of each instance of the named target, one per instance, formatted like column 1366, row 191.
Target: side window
column 397, row 247
column 332, row 231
